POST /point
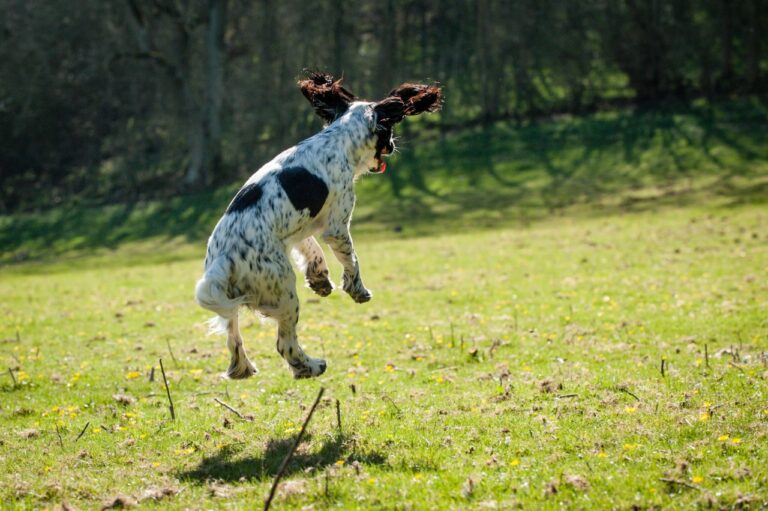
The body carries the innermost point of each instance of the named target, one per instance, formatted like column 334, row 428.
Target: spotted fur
column 305, row 190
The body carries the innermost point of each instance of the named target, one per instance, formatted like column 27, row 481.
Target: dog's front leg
column 338, row 238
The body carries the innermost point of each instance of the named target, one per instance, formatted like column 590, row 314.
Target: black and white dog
column 304, row 190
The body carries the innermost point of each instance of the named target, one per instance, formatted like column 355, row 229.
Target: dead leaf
column 577, row 482
column 291, row 488
column 119, row 502
column 29, row 433
column 159, row 493
column 124, row 399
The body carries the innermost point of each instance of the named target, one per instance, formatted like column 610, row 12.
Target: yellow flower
column 722, row 438
column 735, row 440
column 630, row 409
column 418, row 476
column 439, row 379
column 704, row 417
column 601, row 454
column 22, row 376
column 697, row 479
column 132, row 375
column 339, row 463
column 515, row 462
column 389, row 368
column 371, row 481
column 631, row 447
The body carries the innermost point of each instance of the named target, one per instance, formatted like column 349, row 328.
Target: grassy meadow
column 570, row 313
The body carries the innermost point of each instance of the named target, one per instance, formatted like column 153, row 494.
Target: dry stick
column 338, row 415
column 152, row 374
column 681, row 483
column 627, row 392
column 58, row 434
column 706, row 355
column 167, row 390
column 566, row 396
column 168, row 342
column 225, row 405
column 288, row 456
column 392, row 402
column 83, row 431
column 662, row 367
column 10, row 371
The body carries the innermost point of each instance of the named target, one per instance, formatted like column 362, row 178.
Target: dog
column 304, row 190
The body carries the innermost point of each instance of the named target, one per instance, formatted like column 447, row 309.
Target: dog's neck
column 351, row 135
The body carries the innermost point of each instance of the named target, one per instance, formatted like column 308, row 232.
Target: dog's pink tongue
column 383, row 167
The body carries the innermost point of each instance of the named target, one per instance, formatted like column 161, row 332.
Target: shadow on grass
column 229, row 465
column 483, row 176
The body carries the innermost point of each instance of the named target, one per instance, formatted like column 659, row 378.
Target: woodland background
column 143, row 99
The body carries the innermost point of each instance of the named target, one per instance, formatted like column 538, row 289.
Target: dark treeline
column 122, row 100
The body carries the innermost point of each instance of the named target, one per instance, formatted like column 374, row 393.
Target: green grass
column 511, row 354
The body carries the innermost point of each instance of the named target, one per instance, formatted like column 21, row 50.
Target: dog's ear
column 419, row 98
column 326, row 94
column 389, row 111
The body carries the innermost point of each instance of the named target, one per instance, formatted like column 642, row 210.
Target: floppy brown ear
column 389, row 111
column 326, row 94
column 419, row 98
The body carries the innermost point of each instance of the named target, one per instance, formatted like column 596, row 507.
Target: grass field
column 511, row 355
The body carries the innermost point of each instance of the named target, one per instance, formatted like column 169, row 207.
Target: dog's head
column 331, row 100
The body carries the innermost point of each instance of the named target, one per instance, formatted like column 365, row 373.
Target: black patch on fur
column 304, row 189
column 247, row 197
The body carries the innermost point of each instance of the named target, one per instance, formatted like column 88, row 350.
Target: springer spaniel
column 304, row 190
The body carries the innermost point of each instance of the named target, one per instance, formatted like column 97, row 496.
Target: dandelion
column 389, row 368
column 631, row 447
column 22, row 376
column 630, row 409
column 704, row 416
column 723, row 438
column 515, row 462
column 132, row 375
column 697, row 479
column 439, row 379
column 339, row 463
column 418, row 476
column 601, row 454
column 371, row 481
column 736, row 440
column 527, row 369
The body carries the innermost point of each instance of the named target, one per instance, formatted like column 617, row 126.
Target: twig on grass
column 737, row 366
column 338, row 415
column 83, row 431
column 225, row 405
column 10, row 371
column 288, row 456
column 663, row 361
column 629, row 393
column 566, row 396
column 680, row 483
column 706, row 355
column 58, row 434
column 392, row 402
column 168, row 391
column 168, row 342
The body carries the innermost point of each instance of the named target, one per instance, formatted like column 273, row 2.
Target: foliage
column 122, row 101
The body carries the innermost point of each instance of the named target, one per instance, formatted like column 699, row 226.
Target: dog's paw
column 361, row 296
column 321, row 287
column 308, row 369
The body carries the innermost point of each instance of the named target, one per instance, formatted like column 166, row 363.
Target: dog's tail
column 211, row 294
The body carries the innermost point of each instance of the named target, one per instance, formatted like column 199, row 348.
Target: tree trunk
column 205, row 122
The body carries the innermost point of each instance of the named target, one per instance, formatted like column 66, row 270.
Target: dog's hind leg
column 239, row 365
column 288, row 346
column 311, row 260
